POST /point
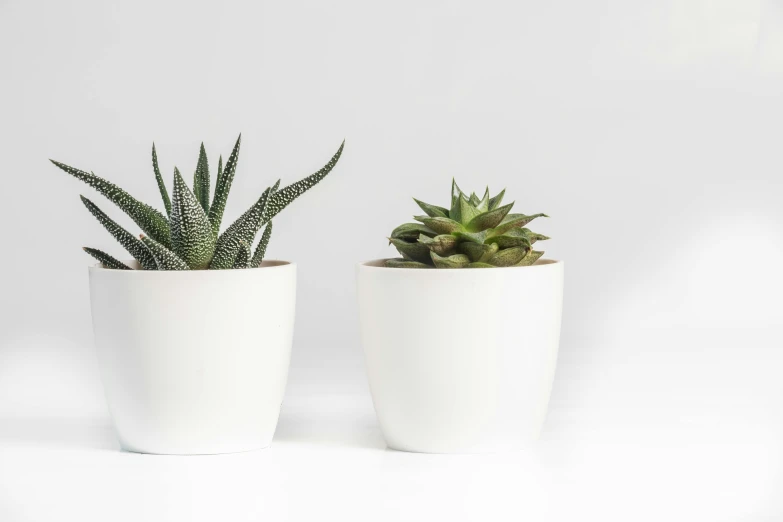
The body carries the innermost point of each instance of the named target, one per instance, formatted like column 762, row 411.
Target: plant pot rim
column 267, row 264
column 378, row 264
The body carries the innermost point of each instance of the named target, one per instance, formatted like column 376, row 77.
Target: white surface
column 194, row 362
column 649, row 131
column 460, row 361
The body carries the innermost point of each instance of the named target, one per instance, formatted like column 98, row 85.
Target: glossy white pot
column 460, row 361
column 194, row 362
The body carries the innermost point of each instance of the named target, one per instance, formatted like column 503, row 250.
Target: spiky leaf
column 147, row 218
column 412, row 231
column 222, row 188
column 128, row 241
column 432, row 210
column 105, row 259
column 455, row 261
column 258, row 256
column 413, row 251
column 404, row 263
column 513, row 238
column 201, row 185
column 489, row 219
column 219, row 171
column 164, row 258
column 243, row 256
column 243, row 229
column 497, row 200
column 456, row 196
column 442, row 225
column 530, row 258
column 285, row 196
column 164, row 194
column 191, row 233
column 532, row 236
column 514, row 221
column 483, row 205
column 467, row 211
column 508, row 256
column 443, row 245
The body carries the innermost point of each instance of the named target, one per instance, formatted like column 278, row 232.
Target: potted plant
column 460, row 360
column 194, row 345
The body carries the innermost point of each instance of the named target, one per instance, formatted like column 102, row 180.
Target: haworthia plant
column 188, row 237
column 471, row 233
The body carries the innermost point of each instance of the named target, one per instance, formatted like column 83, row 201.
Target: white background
column 649, row 131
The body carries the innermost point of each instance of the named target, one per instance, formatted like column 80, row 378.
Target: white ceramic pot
column 460, row 361
column 194, row 362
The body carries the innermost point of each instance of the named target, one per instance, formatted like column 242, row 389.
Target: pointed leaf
column 128, row 241
column 455, row 261
column 442, row 225
column 514, row 221
column 106, row 260
column 443, row 245
column 467, row 211
column 222, row 188
column 258, row 256
column 483, row 205
column 412, row 251
column 243, row 229
column 456, row 196
column 532, row 236
column 191, row 232
column 243, row 256
column 150, row 220
column 164, row 258
column 432, row 210
column 497, row 200
column 489, row 219
column 202, row 180
column 513, row 238
column 508, row 256
column 412, row 231
column 474, row 200
column 219, row 172
column 285, row 196
column 530, row 258
column 161, row 186
column 404, row 263
column 473, row 237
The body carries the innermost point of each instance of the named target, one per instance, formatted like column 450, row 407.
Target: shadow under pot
column 194, row 362
column 460, row 360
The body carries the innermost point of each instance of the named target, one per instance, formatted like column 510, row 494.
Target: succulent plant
column 472, row 233
column 188, row 237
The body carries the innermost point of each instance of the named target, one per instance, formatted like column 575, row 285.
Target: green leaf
column 513, row 238
column 489, row 219
column 441, row 225
column 164, row 258
column 532, row 236
column 404, row 263
column 467, row 212
column 455, row 261
column 258, row 256
column 480, row 265
column 508, row 256
column 222, row 188
column 105, row 259
column 473, row 237
column 432, row 210
column 201, row 186
column 411, row 231
column 243, row 229
column 128, row 241
column 219, row 172
column 442, row 245
column 514, row 221
column 161, row 186
column 456, row 196
column 497, row 200
column 483, row 205
column 191, row 232
column 412, row 251
column 147, row 218
column 477, row 252
column 243, row 256
column 285, row 196
column 530, row 258
column 474, row 200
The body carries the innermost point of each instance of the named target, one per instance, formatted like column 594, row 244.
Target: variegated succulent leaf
column 405, row 263
column 530, row 258
column 128, row 241
column 432, row 210
column 222, row 188
column 164, row 258
column 455, row 261
column 258, row 255
column 442, row 225
column 477, row 252
column 106, row 260
column 147, row 218
column 191, row 232
column 488, row 219
column 413, row 251
column 164, row 194
column 287, row 195
column 514, row 221
column 497, row 200
column 508, row 256
column 201, row 184
column 243, row 256
column 443, row 245
column 412, row 231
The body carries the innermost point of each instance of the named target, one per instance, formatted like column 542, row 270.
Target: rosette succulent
column 472, row 233
column 188, row 236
